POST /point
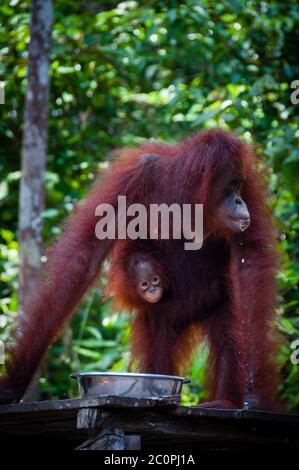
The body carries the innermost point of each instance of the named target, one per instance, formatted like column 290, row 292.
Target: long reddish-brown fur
column 224, row 291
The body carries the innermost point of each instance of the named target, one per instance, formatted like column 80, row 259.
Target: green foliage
column 123, row 72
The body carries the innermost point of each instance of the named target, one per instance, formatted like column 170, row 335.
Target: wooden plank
column 157, row 425
column 239, row 414
column 196, row 428
column 76, row 403
column 127, row 402
column 109, row 439
column 149, row 423
column 86, row 418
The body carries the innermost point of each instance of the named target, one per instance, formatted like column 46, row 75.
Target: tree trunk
column 34, row 148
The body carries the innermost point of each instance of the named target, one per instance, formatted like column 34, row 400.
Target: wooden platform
column 150, row 424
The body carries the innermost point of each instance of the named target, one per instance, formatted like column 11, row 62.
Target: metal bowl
column 124, row 384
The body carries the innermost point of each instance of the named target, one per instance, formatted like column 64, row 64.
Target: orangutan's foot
column 255, row 403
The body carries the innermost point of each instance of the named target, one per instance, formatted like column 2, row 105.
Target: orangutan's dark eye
column 229, row 190
column 239, row 185
column 234, row 187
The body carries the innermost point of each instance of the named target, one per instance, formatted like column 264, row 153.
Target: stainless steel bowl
column 124, row 384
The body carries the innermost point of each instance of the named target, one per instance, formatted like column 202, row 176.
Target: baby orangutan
column 136, row 278
column 148, row 279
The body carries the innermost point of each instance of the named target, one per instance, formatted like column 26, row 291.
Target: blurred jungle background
column 122, row 72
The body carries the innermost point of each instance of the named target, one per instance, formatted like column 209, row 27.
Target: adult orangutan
column 224, row 292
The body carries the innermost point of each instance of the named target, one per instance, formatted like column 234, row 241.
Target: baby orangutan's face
column 149, row 284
